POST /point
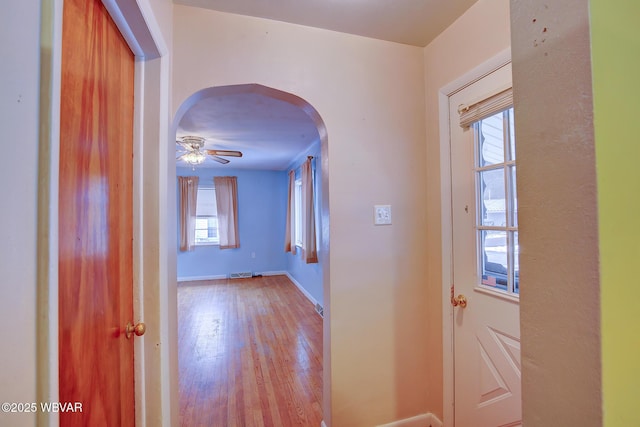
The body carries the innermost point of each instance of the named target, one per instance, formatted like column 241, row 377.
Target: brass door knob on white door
column 460, row 300
column 138, row 329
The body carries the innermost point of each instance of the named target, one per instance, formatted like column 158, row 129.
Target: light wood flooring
column 250, row 354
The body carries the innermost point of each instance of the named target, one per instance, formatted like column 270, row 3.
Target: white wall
column 370, row 95
column 19, row 105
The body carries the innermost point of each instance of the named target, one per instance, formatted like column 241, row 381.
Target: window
column 206, row 217
column 297, row 203
column 497, row 216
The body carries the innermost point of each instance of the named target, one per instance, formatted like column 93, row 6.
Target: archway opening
column 275, row 131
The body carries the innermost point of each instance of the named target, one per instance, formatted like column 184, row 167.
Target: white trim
column 138, row 246
column 133, row 23
column 198, row 278
column 302, row 289
column 422, row 420
column 48, row 360
column 272, row 273
column 493, row 64
column 322, row 424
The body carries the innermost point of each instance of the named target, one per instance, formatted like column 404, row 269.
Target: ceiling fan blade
column 228, row 153
column 220, row 159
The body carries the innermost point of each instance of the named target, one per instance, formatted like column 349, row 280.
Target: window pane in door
column 512, row 135
column 494, row 259
column 513, row 211
column 516, row 264
column 491, row 147
column 497, row 217
column 493, row 199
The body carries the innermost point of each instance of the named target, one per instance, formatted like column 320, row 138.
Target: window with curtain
column 307, row 196
column 300, row 229
column 227, row 211
column 188, row 192
column 290, row 227
column 206, row 229
column 298, row 213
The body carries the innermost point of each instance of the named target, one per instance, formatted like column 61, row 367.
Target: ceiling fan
column 196, row 153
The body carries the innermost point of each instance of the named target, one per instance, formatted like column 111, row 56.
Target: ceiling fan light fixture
column 192, row 142
column 194, row 157
column 197, row 154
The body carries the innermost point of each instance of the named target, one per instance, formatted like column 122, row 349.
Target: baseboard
column 196, row 278
column 272, row 273
column 322, row 424
column 422, row 420
column 302, row 289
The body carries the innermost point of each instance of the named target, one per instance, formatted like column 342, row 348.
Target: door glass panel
column 492, row 194
column 497, row 217
column 491, row 141
column 494, row 260
column 513, row 212
column 512, row 136
column 516, row 265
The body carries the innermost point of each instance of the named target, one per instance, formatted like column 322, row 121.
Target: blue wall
column 309, row 276
column 262, row 210
column 262, row 198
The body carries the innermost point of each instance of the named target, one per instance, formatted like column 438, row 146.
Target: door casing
column 445, row 92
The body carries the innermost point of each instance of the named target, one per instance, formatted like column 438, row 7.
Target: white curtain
column 290, row 228
column 188, row 187
column 309, row 250
column 227, row 204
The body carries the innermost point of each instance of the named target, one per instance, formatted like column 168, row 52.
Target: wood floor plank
column 250, row 354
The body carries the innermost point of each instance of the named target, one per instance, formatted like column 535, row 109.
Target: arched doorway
column 212, row 114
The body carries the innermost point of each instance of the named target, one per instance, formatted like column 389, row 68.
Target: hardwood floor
column 250, row 354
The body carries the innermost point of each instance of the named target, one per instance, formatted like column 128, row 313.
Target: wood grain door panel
column 95, row 218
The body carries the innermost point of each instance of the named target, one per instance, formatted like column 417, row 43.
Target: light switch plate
column 382, row 214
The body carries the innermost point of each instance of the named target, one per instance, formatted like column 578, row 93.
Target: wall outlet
column 382, row 214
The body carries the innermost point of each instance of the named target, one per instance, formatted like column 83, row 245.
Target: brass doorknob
column 138, row 329
column 460, row 300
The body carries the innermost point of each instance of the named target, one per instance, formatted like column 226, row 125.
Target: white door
column 485, row 261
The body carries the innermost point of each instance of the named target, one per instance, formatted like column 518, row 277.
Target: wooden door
column 485, row 269
column 95, row 219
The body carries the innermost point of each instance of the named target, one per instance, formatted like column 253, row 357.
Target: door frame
column 487, row 67
column 155, row 371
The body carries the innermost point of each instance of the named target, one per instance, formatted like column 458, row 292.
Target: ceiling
column 272, row 132
column 413, row 22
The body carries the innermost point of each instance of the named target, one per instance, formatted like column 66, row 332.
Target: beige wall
column 19, row 104
column 477, row 36
column 370, row 95
column 28, row 363
column 560, row 297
